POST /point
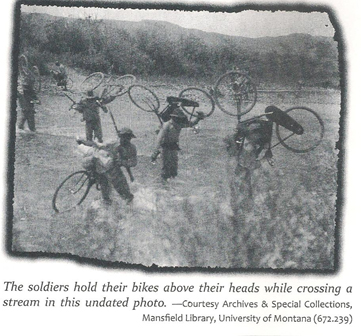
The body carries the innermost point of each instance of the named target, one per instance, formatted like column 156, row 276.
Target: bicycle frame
column 173, row 103
column 92, row 177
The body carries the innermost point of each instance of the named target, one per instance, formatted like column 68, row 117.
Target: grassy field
column 190, row 222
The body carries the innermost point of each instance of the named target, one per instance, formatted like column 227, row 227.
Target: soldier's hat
column 126, row 131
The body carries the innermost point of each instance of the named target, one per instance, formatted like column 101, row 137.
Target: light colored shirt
column 104, row 158
column 170, row 133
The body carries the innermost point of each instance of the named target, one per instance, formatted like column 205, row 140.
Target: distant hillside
column 162, row 48
column 295, row 42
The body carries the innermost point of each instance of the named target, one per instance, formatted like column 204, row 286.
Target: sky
column 248, row 23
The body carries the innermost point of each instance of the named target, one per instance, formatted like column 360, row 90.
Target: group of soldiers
column 124, row 152
column 107, row 158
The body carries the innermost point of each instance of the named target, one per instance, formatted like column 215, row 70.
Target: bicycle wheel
column 205, row 101
column 72, row 191
column 125, row 80
column 23, row 64
column 313, row 130
column 37, row 79
column 235, row 93
column 116, row 85
column 92, row 81
column 143, row 98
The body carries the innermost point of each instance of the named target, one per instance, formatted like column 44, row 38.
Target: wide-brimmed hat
column 126, row 131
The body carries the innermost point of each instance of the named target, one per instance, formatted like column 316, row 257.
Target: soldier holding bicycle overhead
column 89, row 107
column 168, row 141
column 249, row 145
column 27, row 98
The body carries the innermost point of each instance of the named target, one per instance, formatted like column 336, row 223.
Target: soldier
column 27, row 98
column 248, row 146
column 60, row 74
column 89, row 107
column 168, row 141
column 107, row 161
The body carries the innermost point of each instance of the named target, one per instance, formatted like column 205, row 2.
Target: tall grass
column 281, row 227
column 193, row 221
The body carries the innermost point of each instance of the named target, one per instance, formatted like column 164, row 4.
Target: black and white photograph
column 187, row 138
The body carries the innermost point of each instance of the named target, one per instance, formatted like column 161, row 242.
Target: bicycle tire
column 125, row 80
column 92, row 81
column 72, row 191
column 203, row 98
column 117, row 85
column 313, row 130
column 235, row 93
column 144, row 98
column 37, row 78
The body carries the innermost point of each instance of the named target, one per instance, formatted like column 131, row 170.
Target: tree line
column 97, row 45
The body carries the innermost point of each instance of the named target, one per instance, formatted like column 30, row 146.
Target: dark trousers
column 243, row 182
column 117, row 179
column 93, row 127
column 27, row 112
column 170, row 163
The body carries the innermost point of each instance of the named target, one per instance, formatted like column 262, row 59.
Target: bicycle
column 192, row 100
column 110, row 83
column 74, row 189
column 299, row 129
column 235, row 93
column 114, row 86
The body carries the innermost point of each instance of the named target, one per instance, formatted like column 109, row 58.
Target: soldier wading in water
column 168, row 141
column 248, row 146
column 107, row 160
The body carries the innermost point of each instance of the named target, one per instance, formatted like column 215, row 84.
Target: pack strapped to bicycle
column 279, row 117
column 173, row 103
column 181, row 101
